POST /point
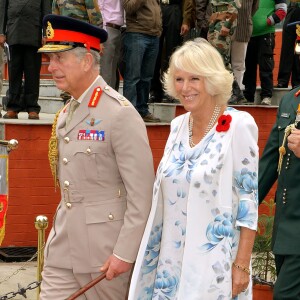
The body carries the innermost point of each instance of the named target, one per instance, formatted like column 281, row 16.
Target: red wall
column 31, row 189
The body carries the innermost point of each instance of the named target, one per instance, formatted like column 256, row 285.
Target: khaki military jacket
column 106, row 177
column 286, row 236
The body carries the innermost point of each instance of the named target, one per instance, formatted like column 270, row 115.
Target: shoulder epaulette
column 115, row 95
column 94, row 100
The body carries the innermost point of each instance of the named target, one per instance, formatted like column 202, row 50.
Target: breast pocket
column 282, row 124
column 84, row 156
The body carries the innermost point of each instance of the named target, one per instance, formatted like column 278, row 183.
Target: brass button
column 65, row 161
column 111, row 216
column 88, row 150
column 106, row 88
column 67, row 140
column 279, row 127
column 289, row 154
column 69, row 205
column 66, row 183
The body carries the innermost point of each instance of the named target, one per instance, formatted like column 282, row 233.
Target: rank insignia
column 95, row 97
column 297, row 93
column 285, row 115
column 93, row 122
column 91, row 135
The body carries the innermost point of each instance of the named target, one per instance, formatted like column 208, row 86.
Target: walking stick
column 87, row 287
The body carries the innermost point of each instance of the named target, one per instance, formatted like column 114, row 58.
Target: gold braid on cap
column 53, row 150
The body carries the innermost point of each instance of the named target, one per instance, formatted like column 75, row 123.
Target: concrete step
column 277, row 95
column 51, row 102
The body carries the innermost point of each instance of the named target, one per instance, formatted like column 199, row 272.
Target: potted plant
column 263, row 262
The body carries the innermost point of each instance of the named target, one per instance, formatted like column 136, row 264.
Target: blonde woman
column 199, row 236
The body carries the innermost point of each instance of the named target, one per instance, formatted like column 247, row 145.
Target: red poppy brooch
column 224, row 123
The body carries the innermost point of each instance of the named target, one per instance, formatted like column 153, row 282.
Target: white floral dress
column 201, row 197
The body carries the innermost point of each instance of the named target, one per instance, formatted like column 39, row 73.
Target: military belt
column 219, row 8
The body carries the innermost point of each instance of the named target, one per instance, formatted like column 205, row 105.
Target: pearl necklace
column 210, row 125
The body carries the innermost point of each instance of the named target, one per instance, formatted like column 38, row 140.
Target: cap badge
column 49, row 31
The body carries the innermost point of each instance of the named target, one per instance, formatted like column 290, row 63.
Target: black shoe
column 154, row 99
column 237, row 100
column 168, row 99
column 281, row 86
column 150, row 118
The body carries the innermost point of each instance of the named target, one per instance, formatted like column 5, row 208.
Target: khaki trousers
column 59, row 284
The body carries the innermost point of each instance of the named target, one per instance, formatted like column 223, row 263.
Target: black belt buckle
column 115, row 26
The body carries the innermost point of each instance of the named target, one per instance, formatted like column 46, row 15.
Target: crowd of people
column 141, row 39
column 188, row 233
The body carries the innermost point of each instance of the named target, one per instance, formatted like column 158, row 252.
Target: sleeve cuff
column 123, row 259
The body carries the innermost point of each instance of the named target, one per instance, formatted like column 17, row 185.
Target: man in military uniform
column 84, row 10
column 106, row 185
column 286, row 237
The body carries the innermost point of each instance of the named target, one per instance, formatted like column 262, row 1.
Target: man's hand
column 184, row 29
column 114, row 267
column 294, row 142
column 2, row 40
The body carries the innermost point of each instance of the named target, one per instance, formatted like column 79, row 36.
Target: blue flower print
column 152, row 251
column 246, row 182
column 184, row 159
column 217, row 230
column 244, row 214
column 167, row 282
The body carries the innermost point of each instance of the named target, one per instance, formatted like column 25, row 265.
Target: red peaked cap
column 64, row 33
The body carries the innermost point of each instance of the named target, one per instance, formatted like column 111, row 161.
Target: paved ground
column 12, row 273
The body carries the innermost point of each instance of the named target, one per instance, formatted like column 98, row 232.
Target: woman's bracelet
column 242, row 268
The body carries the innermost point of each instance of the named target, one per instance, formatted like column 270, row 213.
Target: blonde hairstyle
column 200, row 58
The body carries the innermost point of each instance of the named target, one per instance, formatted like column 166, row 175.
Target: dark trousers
column 259, row 53
column 24, row 61
column 287, row 285
column 169, row 40
column 289, row 61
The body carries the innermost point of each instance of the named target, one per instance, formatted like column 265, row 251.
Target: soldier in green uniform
column 286, row 232
column 84, row 10
column 222, row 24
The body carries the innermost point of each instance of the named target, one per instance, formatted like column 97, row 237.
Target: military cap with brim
column 64, row 33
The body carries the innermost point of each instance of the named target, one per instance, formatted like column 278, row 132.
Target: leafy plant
column 263, row 261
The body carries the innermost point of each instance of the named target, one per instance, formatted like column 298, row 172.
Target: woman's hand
column 240, row 281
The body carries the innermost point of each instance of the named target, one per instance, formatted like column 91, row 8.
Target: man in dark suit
column 286, row 236
column 21, row 28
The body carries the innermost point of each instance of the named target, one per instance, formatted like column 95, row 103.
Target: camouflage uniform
column 84, row 10
column 224, row 13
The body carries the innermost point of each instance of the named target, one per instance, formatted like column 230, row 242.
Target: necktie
column 73, row 106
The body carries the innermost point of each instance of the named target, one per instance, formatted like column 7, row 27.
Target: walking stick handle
column 87, row 287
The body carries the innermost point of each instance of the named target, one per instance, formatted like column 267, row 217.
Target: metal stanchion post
column 41, row 224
